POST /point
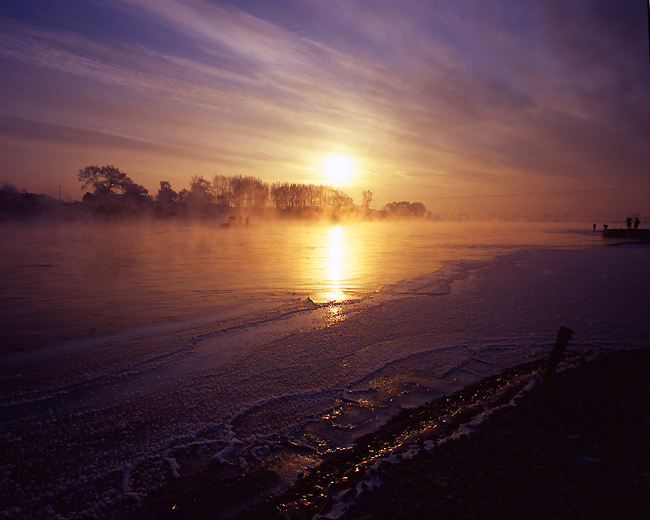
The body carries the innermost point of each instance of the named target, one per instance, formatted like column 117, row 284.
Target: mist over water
column 70, row 280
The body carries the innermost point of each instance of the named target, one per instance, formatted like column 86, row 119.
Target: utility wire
column 526, row 194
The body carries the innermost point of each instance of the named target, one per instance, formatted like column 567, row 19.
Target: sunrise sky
column 464, row 105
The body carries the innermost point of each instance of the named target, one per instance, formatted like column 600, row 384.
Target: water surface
column 70, row 280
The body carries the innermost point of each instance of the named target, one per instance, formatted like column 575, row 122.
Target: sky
column 466, row 106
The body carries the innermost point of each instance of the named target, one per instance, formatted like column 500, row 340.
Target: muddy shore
column 578, row 451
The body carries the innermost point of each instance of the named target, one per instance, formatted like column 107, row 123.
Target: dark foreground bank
column 580, row 451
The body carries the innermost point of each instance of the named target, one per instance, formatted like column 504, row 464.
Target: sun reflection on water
column 335, row 261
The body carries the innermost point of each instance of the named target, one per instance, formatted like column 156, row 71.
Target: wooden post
column 563, row 337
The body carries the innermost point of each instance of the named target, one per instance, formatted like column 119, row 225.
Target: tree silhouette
column 165, row 193
column 367, row 199
column 405, row 209
column 134, row 190
column 222, row 189
column 107, row 180
column 200, row 191
column 289, row 196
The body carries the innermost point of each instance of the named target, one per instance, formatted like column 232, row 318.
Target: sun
column 338, row 168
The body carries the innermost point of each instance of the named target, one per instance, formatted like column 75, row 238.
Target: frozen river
column 362, row 321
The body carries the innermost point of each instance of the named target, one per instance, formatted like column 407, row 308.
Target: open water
column 70, row 280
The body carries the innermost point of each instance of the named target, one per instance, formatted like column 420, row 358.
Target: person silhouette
column 594, row 227
column 629, row 222
column 605, row 226
column 636, row 223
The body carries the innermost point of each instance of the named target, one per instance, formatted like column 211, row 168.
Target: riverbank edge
column 577, row 451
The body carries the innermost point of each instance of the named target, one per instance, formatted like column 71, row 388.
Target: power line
column 527, row 194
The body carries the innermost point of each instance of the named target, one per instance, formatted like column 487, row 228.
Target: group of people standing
column 628, row 221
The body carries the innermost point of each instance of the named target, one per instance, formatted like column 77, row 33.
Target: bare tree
column 285, row 195
column 222, row 190
column 200, row 191
column 367, row 199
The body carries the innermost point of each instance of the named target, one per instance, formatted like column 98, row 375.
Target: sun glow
column 338, row 168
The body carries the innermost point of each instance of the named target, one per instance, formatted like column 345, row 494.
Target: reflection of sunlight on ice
column 335, row 311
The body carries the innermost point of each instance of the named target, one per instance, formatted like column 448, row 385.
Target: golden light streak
column 335, row 264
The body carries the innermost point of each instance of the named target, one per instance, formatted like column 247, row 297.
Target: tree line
column 112, row 192
column 16, row 204
column 238, row 191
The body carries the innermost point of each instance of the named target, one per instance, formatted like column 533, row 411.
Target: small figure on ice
column 629, row 222
column 636, row 223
